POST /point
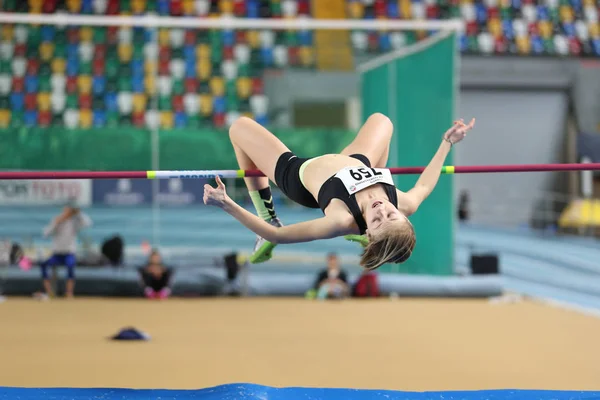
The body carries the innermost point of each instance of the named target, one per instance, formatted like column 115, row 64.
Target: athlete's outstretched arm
column 322, row 228
column 430, row 176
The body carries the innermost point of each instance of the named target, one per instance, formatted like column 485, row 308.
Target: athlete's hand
column 458, row 131
column 215, row 196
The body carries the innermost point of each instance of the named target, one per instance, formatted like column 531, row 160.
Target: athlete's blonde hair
column 393, row 243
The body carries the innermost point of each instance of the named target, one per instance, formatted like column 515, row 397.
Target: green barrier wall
column 417, row 92
column 131, row 149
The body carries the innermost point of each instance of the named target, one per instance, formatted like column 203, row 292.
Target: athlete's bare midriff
column 323, row 168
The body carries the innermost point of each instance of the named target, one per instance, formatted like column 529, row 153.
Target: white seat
column 191, row 103
column 398, row 39
column 289, row 8
column 241, row 52
column 231, row 117
column 19, row 66
column 561, row 44
column 58, row 83
column 6, row 50
column 58, row 101
column 202, row 7
column 176, row 37
column 485, row 42
column 152, row 118
column 86, row 51
column 267, row 38
column 229, row 70
column 280, row 54
column 177, row 68
column 21, row 33
column 5, row 84
column 71, row 118
column 165, row 85
column 99, row 6
column 529, row 12
column 150, row 51
column 259, row 104
column 125, row 35
column 125, row 102
column 359, row 40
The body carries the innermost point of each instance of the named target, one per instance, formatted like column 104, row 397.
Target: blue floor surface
column 251, row 392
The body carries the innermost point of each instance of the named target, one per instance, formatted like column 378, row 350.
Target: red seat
column 219, row 120
column 100, row 52
column 163, row 68
column 191, row 85
column 49, row 6
column 380, row 7
column 138, row 119
column 98, row 66
column 190, row 37
column 18, row 84
column 432, row 11
column 44, row 118
column 293, row 55
column 257, row 86
column 239, row 8
column 71, row 84
column 574, row 46
column 112, row 34
column 228, row 53
column 176, row 7
column 33, row 65
column 112, row 8
column 73, row 35
column 240, row 37
column 85, row 101
column 177, row 103
column 31, row 101
column 20, row 50
column 164, row 53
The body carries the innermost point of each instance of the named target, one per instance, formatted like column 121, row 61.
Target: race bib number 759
column 356, row 179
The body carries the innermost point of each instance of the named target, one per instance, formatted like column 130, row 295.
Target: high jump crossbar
column 232, row 173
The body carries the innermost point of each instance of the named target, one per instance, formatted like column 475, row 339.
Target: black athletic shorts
column 287, row 178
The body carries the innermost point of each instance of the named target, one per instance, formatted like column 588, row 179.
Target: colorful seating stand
column 83, row 77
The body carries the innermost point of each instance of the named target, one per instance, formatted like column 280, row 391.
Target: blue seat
column 596, row 46
column 393, row 10
column 190, row 69
column 72, row 66
column 262, row 119
column 252, row 9
column 537, row 44
column 267, row 56
column 305, row 38
column 72, row 51
column 228, row 37
column 137, row 68
column 30, row 118
column 219, row 104
column 110, row 101
column 576, row 4
column 507, row 28
column 137, row 84
column 98, row 84
column 99, row 118
column 569, row 29
column 47, row 33
column 86, row 7
column 385, row 43
column 17, row 101
column 516, row 4
column 542, row 13
column 149, row 35
column 189, row 52
column 162, row 6
column 481, row 13
column 180, row 119
column 31, row 84
column 463, row 43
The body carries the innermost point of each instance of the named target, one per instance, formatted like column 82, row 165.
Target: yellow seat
column 545, row 28
column 594, row 30
column 244, row 87
column 166, row 119
column 163, row 37
column 36, row 4
column 86, row 118
column 217, row 86
column 7, row 32
column 125, row 51
column 4, row 118
column 248, row 114
column 188, row 7
column 139, row 102
column 306, row 55
column 204, row 69
column 206, row 104
column 149, row 67
column 566, row 13
column 253, row 38
column 138, row 6
column 405, row 9
column 202, row 51
column 580, row 213
column 523, row 44
column 150, row 84
column 58, row 66
column 74, row 6
column 46, row 51
column 226, row 6
column 495, row 27
column 86, row 34
column 356, row 10
column 84, row 84
column 43, row 101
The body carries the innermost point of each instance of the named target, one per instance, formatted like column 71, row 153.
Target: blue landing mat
column 258, row 392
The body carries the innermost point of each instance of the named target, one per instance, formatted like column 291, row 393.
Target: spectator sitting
column 156, row 277
column 332, row 282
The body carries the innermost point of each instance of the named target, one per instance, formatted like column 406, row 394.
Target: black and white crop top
column 347, row 182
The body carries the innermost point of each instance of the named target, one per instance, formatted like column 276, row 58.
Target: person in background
column 156, row 277
column 332, row 282
column 64, row 229
column 463, row 206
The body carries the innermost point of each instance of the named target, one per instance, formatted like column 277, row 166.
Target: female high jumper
column 353, row 189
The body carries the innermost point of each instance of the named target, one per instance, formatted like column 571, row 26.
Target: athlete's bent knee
column 381, row 119
column 239, row 126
